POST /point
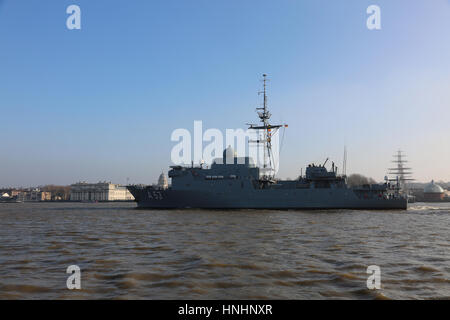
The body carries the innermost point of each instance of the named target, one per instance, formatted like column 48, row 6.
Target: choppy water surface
column 126, row 253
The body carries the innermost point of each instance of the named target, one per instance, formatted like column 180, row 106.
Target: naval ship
column 233, row 182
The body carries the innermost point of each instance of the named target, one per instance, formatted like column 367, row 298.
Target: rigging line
column 279, row 153
column 282, row 139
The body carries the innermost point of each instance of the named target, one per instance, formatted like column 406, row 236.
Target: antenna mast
column 268, row 132
column 265, row 119
column 344, row 164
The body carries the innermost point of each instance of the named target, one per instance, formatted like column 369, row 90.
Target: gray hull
column 149, row 197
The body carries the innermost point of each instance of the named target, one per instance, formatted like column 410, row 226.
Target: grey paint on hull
column 148, row 197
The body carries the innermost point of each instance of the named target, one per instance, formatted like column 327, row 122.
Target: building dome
column 230, row 154
column 162, row 181
column 433, row 188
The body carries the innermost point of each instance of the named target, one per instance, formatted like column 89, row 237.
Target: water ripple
column 125, row 253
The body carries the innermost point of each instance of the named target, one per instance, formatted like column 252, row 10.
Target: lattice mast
column 269, row 130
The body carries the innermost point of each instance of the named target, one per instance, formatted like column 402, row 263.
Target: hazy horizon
column 100, row 103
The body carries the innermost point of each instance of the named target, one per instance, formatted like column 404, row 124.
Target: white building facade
column 102, row 191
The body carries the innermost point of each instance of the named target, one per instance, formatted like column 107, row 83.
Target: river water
column 126, row 253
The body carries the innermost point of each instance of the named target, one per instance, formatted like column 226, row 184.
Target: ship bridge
column 314, row 172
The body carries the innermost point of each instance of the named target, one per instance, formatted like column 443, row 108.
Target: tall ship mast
column 400, row 172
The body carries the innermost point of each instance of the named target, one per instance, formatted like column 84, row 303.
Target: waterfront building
column 12, row 193
column 102, row 191
column 34, row 195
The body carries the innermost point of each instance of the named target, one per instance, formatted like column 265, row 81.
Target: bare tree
column 58, row 192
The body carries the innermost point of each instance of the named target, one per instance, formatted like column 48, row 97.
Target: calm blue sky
column 100, row 103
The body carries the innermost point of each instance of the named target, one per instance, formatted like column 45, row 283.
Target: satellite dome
column 433, row 188
column 229, row 153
